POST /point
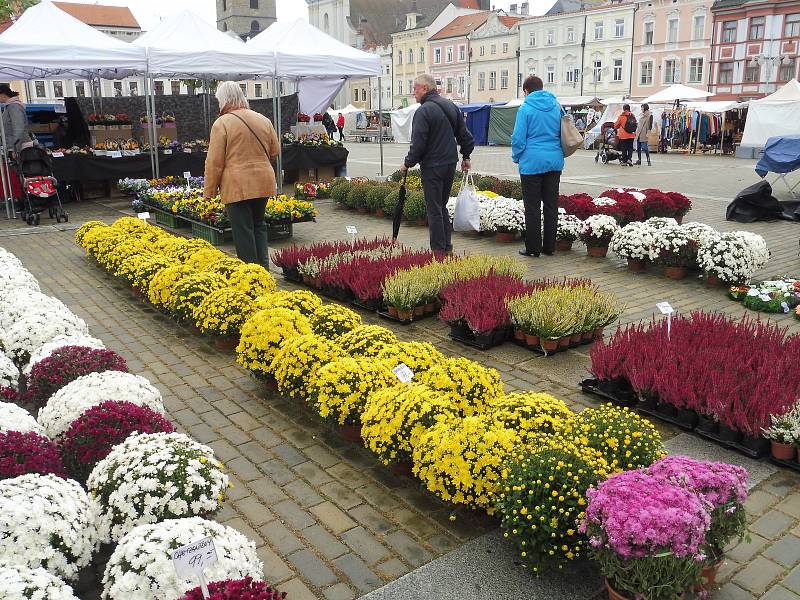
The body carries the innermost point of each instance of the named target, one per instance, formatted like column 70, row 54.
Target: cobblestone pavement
column 328, row 519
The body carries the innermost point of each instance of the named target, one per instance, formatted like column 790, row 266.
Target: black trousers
column 341, row 134
column 250, row 230
column 627, row 150
column 540, row 192
column 436, row 183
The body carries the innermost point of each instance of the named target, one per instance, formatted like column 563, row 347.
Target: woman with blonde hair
column 242, row 147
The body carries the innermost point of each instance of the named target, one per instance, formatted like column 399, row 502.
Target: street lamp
column 769, row 61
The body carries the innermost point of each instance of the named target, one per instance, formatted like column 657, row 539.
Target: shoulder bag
column 571, row 138
column 260, row 143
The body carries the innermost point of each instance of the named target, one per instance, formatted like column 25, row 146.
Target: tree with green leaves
column 14, row 8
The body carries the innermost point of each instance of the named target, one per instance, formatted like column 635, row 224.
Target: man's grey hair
column 230, row 96
column 425, row 80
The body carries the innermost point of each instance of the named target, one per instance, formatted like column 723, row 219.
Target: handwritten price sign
column 191, row 559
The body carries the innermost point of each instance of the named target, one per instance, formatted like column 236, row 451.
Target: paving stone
column 786, row 551
column 371, row 518
column 303, row 493
column 293, row 515
column 245, row 421
column 234, row 434
column 780, row 593
column 792, row 580
column 772, row 524
column 327, row 545
column 391, row 569
column 312, row 473
column 255, row 452
column 322, row 456
column 275, row 570
column 277, row 471
column 283, row 540
column 267, row 490
column 297, row 590
column 731, row 591
column 341, row 495
column 311, row 568
column 365, row 545
column 790, row 505
column 357, row 572
column 289, row 454
column 757, row 576
column 239, row 525
column 244, row 468
column 410, row 550
column 745, row 550
column 332, row 517
column 339, row 592
column 254, row 511
column 759, row 502
column 266, row 436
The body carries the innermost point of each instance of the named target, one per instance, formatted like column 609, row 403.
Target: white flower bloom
column 569, row 226
column 141, row 567
column 47, row 522
column 599, row 226
column 504, row 214
column 185, row 473
column 734, row 257
column 658, row 222
column 633, row 241
column 16, row 418
column 22, row 583
column 78, row 396
column 34, row 330
column 603, row 201
column 9, row 374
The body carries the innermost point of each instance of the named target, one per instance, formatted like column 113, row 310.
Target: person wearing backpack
column 626, row 132
column 644, row 128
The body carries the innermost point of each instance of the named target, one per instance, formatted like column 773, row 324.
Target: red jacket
column 620, row 127
column 340, row 121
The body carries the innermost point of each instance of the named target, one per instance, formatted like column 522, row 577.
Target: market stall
column 775, row 115
column 477, row 119
column 304, row 163
column 501, row 122
column 90, row 168
column 401, row 123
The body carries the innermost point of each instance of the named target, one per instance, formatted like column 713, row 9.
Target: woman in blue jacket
column 536, row 148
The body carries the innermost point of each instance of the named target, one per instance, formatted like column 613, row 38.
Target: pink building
column 671, row 45
column 448, row 55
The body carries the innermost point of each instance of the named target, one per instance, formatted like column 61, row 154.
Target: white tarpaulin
column 677, row 91
column 47, row 42
column 301, row 50
column 718, row 106
column 350, row 114
column 612, row 112
column 315, row 95
column 401, row 123
column 185, row 45
column 775, row 115
column 576, row 100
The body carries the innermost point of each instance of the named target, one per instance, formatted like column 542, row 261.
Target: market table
column 85, row 167
column 305, row 163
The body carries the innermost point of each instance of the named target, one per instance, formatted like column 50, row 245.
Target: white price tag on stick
column 58, row 155
column 115, row 154
column 143, row 215
column 191, row 559
column 403, row 373
column 167, row 151
column 665, row 308
column 187, row 175
column 351, row 229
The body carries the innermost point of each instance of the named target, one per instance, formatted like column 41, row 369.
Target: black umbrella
column 398, row 210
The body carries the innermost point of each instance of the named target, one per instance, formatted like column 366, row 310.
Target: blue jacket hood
column 542, row 100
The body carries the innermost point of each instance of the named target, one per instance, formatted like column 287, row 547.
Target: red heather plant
column 236, row 589
column 294, row 255
column 64, row 366
column 365, row 276
column 29, row 452
column 92, row 436
column 481, row 302
column 609, row 358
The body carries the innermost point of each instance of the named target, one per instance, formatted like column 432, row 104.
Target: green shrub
column 414, row 208
column 390, row 201
column 376, row 195
column 357, row 196
column 506, row 187
column 487, row 183
column 516, row 191
column 398, row 175
column 340, row 190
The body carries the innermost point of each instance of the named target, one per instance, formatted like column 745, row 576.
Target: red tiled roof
column 100, row 15
column 5, row 25
column 509, row 21
column 469, row 4
column 462, row 25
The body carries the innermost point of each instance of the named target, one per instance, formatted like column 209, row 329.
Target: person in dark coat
column 327, row 122
column 437, row 125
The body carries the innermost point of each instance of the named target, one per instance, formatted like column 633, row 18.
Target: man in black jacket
column 437, row 124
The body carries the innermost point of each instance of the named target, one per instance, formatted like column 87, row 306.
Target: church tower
column 247, row 18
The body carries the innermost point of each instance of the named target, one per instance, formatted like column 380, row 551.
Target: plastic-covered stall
column 477, row 120
column 401, row 123
column 501, row 122
column 776, row 115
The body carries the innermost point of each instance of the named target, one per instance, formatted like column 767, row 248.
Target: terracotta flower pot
column 351, row 433
column 587, row 336
column 709, row 575
column 362, row 210
column 614, row 594
column 564, row 342
column 679, row 219
column 782, row 451
column 675, row 272
column 196, row 329
column 403, row 468
column 549, row 345
column 597, row 251
column 226, row 343
column 575, row 339
column 270, row 385
column 393, row 311
column 307, row 279
column 379, row 213
column 419, row 311
column 404, row 315
column 519, row 335
column 563, row 245
column 636, row 264
column 136, row 292
column 714, row 281
column 430, row 308
column 531, row 340
column 506, row 236
column 422, row 222
column 598, row 333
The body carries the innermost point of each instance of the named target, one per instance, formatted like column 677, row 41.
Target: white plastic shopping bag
column 468, row 209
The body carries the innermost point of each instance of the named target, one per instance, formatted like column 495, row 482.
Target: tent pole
column 722, row 135
column 380, row 120
column 9, row 201
column 149, row 119
column 91, row 93
column 279, row 174
column 100, row 92
column 153, row 135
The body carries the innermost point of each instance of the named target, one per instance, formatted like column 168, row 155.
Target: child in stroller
column 39, row 187
column 609, row 144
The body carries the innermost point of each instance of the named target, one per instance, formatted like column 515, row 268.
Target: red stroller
column 39, row 187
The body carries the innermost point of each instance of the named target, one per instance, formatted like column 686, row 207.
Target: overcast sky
column 148, row 12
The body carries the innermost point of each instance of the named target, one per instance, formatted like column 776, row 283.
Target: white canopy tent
column 577, row 100
column 185, row 45
column 47, row 42
column 774, row 115
column 401, row 123
column 719, row 106
column 675, row 92
column 350, row 114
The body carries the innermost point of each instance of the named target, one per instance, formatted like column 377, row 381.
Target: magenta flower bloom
column 28, row 452
column 236, row 589
column 717, row 483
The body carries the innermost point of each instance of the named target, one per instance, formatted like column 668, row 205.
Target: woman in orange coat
column 242, row 146
column 626, row 132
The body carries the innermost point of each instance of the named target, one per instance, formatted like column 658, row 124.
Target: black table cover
column 84, row 167
column 309, row 157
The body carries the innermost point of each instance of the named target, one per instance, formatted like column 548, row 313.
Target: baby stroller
column 39, row 187
column 609, row 144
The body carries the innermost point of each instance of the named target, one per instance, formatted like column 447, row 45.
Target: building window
column 399, row 88
column 617, row 73
column 437, row 56
column 504, row 79
column 449, row 54
column 462, row 52
column 399, row 57
column 481, row 81
column 787, row 71
column 531, row 40
column 570, row 75
column 597, row 68
column 751, row 74
column 117, row 89
column 80, row 89
column 58, row 89
column 791, row 27
column 493, row 49
column 726, row 72
column 421, row 56
column 241, row 85
column 254, row 4
column 671, row 71
column 649, row 30
column 41, row 91
column 257, row 90
column 757, row 28
column 462, row 85
column 699, row 27
column 646, row 73
column 326, row 23
column 492, row 80
column 449, row 87
column 363, row 95
column 598, row 30
column 410, row 56
column 619, row 28
column 550, row 37
column 695, row 70
column 672, row 31
column 176, row 87
column 410, row 84
column 224, row 5
column 550, row 74
column 159, row 88
column 355, row 95
column 729, row 31
column 519, row 80
column 505, row 47
column 570, row 34
column 133, row 88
